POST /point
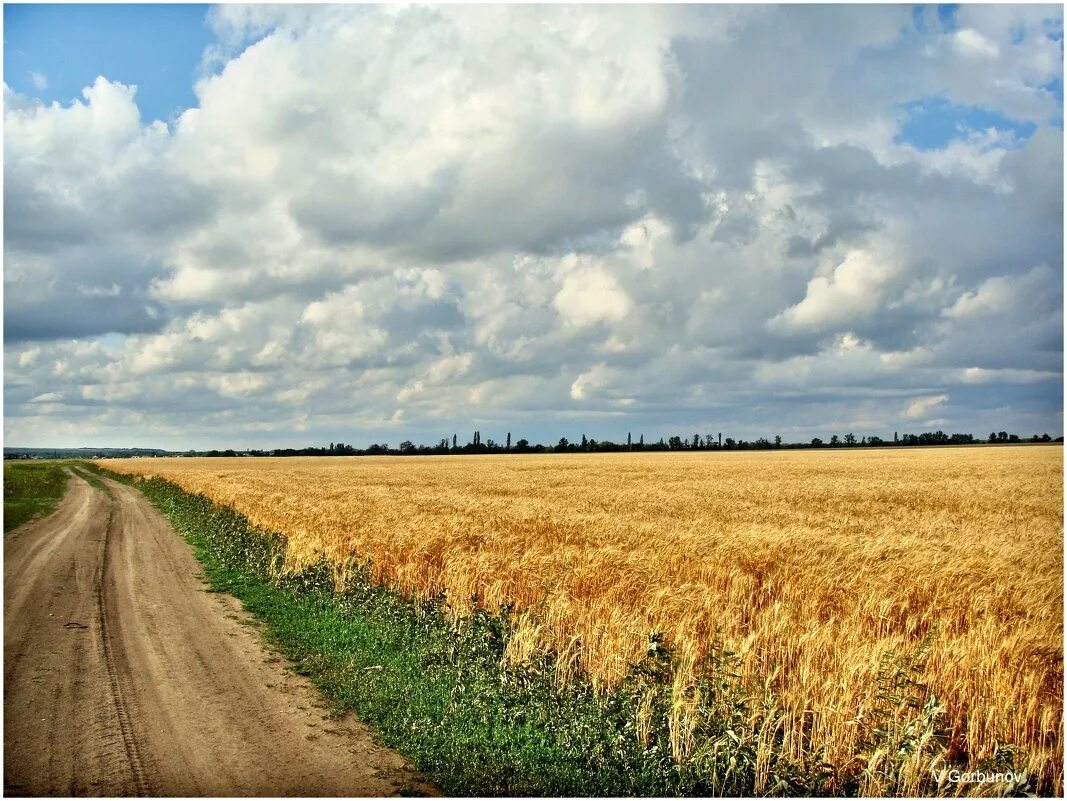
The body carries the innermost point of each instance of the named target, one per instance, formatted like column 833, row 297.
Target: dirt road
column 123, row 676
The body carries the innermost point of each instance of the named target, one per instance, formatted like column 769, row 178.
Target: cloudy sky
column 266, row 225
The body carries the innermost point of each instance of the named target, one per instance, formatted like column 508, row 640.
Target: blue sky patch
column 923, row 18
column 53, row 51
column 933, row 123
column 1055, row 88
column 947, row 15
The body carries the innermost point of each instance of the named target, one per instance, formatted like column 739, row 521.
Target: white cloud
column 39, row 81
column 238, row 385
column 921, row 407
column 853, row 288
column 156, row 354
column 1004, row 293
column 589, row 294
column 970, row 42
column 100, row 291
column 979, row 375
column 593, row 382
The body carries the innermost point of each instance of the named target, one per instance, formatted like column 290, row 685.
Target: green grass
column 32, row 489
column 439, row 693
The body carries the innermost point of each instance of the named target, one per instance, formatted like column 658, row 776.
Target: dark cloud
column 75, row 317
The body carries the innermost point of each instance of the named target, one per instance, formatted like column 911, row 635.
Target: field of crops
column 817, row 568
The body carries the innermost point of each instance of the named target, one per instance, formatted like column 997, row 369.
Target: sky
column 269, row 226
column 52, row 52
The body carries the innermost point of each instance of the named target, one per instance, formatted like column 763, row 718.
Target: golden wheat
column 812, row 566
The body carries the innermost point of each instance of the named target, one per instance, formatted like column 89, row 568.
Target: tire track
column 118, row 696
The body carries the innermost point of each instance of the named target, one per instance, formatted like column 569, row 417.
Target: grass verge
column 32, row 489
column 440, row 694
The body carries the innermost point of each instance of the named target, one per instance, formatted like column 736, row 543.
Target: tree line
column 698, row 442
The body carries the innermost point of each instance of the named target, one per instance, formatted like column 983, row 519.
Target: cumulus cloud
column 853, row 288
column 91, row 205
column 970, row 42
column 921, row 407
column 431, row 219
column 1006, row 293
column 588, row 294
column 597, row 381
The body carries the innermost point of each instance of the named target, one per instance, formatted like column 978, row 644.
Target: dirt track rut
column 124, row 676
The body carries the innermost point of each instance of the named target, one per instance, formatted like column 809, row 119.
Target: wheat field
column 812, row 566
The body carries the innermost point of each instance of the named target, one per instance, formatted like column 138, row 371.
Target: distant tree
column 522, row 445
column 407, row 446
column 563, row 444
column 730, row 442
column 629, row 440
column 1013, row 438
column 509, row 441
column 777, row 441
column 850, row 439
column 816, row 442
column 834, row 440
column 1002, row 436
column 585, row 443
column 641, row 441
column 675, row 443
column 696, row 441
column 992, row 436
column 453, row 442
column 1046, row 438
